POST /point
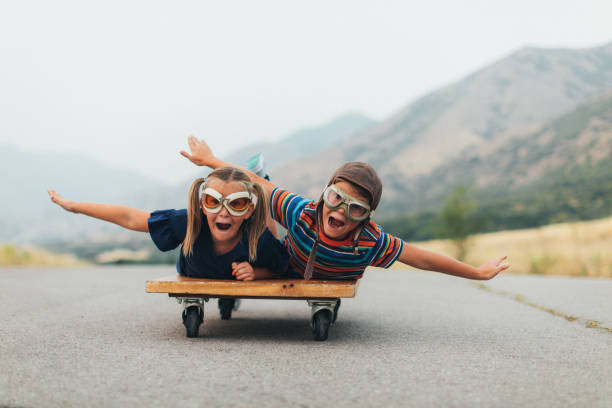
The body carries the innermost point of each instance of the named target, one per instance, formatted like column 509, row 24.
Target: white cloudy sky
column 127, row 81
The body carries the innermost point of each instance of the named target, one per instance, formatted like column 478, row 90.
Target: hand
column 490, row 269
column 201, row 154
column 243, row 271
column 67, row 205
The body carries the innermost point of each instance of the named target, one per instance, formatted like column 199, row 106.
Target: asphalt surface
column 92, row 337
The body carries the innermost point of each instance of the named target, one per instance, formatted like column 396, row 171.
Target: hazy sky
column 127, row 81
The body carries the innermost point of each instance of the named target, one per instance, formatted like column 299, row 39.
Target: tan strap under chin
column 315, row 246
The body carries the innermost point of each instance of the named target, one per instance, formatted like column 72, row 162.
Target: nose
column 224, row 212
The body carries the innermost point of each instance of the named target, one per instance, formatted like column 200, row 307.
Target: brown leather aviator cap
column 362, row 175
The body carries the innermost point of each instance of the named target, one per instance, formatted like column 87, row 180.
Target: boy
column 334, row 237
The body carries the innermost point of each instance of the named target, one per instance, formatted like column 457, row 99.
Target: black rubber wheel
column 320, row 325
column 225, row 308
column 336, row 311
column 192, row 318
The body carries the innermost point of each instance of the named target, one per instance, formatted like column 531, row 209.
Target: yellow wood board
column 275, row 289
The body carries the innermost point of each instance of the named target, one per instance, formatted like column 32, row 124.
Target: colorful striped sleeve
column 389, row 249
column 285, row 207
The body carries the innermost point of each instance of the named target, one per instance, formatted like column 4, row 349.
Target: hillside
column 508, row 98
column 304, row 142
column 561, row 172
column 28, row 215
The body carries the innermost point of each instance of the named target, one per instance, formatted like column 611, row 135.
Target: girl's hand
column 67, row 205
column 201, row 154
column 490, row 269
column 243, row 271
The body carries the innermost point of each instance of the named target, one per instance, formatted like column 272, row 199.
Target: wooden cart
column 322, row 296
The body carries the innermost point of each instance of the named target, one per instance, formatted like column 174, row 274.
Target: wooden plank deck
column 270, row 289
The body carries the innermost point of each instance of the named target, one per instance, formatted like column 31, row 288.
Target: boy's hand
column 490, row 269
column 61, row 201
column 243, row 271
column 201, row 154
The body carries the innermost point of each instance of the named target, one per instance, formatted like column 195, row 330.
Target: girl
column 222, row 232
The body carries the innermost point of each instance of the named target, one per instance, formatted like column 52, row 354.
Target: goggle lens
column 334, row 198
column 210, row 201
column 355, row 210
column 240, row 204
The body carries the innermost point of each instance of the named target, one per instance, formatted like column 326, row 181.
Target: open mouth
column 223, row 226
column 334, row 222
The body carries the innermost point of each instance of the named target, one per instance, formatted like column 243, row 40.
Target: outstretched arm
column 202, row 155
column 431, row 261
column 127, row 217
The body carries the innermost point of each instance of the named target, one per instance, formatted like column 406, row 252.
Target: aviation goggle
column 237, row 204
column 354, row 208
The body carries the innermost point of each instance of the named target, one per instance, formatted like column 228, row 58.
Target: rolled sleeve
column 168, row 228
column 285, row 207
column 389, row 249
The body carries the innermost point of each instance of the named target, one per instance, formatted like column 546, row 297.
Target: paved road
column 92, row 337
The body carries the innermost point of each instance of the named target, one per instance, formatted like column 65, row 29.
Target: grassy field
column 574, row 249
column 10, row 255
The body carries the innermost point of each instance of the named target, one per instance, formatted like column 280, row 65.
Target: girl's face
column 335, row 223
column 224, row 227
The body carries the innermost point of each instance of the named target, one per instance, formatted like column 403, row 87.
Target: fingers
column 53, row 195
column 245, row 276
column 501, row 259
column 187, row 155
column 243, row 271
column 502, row 266
column 490, row 269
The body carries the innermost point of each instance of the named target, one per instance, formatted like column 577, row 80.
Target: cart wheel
column 320, row 324
column 336, row 311
column 225, row 308
column 192, row 318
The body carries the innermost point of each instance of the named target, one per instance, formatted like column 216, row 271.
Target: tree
column 457, row 221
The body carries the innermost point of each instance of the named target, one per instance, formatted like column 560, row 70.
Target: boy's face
column 335, row 223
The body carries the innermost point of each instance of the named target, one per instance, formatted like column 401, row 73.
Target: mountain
column 29, row 215
column 559, row 172
column 304, row 142
column 508, row 98
column 580, row 138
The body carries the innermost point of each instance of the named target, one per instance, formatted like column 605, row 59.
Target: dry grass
column 10, row 255
column 575, row 249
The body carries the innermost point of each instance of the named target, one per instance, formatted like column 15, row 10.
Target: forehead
column 225, row 187
column 349, row 188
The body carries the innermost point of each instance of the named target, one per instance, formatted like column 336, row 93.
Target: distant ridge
column 304, row 142
column 507, row 98
column 558, row 173
column 27, row 212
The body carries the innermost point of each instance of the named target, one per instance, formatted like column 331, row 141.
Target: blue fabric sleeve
column 168, row 228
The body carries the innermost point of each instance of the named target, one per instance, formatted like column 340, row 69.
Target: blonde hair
column 254, row 226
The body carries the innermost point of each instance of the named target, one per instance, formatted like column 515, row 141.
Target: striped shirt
column 334, row 259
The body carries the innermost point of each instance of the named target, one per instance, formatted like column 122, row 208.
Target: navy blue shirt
column 168, row 229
